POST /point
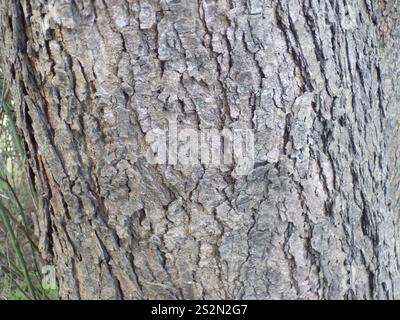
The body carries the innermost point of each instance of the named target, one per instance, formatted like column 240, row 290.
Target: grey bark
column 317, row 220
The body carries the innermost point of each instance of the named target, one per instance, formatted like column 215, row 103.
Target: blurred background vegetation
column 20, row 264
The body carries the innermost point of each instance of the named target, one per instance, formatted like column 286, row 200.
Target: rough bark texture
column 318, row 216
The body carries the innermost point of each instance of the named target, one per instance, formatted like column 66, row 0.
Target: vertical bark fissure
column 316, row 218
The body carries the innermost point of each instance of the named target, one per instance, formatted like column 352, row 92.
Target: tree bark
column 317, row 217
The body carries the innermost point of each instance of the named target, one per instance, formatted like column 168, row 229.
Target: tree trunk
column 314, row 80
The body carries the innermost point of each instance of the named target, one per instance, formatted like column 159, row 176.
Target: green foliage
column 20, row 273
